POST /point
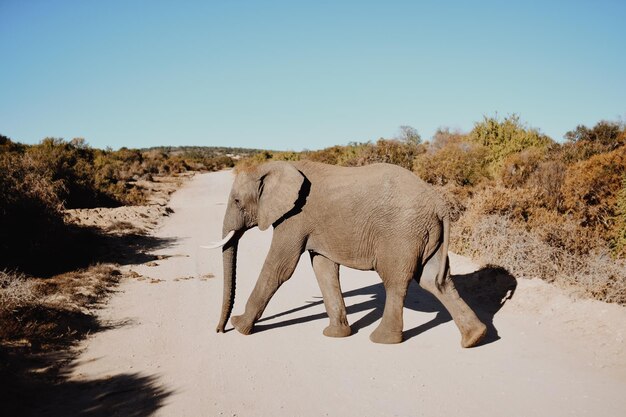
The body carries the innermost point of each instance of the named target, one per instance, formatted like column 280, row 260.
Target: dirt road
column 546, row 354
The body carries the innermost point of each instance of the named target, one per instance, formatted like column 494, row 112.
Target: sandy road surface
column 546, row 354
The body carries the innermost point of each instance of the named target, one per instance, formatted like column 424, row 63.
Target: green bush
column 505, row 137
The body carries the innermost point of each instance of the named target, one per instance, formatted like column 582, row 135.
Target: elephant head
column 260, row 196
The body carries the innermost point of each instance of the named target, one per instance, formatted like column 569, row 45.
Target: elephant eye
column 237, row 202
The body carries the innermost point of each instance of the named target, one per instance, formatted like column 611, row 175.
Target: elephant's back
column 381, row 195
column 355, row 213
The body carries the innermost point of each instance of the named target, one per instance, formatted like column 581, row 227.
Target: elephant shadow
column 485, row 291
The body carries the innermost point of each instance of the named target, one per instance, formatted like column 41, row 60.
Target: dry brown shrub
column 498, row 240
column 591, row 188
column 584, row 142
column 518, row 167
column 618, row 239
column 443, row 137
column 356, row 154
column 546, row 181
column 333, row 155
column 458, row 162
column 526, row 207
column 16, row 290
column 25, row 300
column 565, row 233
column 78, row 290
column 518, row 204
column 249, row 163
column 386, row 151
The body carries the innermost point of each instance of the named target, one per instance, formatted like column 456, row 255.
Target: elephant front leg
column 327, row 274
column 279, row 265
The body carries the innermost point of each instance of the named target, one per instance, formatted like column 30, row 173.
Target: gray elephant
column 379, row 217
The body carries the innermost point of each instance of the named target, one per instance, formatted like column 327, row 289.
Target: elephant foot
column 386, row 337
column 473, row 337
column 239, row 323
column 337, row 331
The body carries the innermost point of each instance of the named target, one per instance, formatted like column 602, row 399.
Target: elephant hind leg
column 471, row 328
column 327, row 274
column 396, row 281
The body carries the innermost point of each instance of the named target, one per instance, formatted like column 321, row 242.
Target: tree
column 409, row 134
column 608, row 134
column 444, row 136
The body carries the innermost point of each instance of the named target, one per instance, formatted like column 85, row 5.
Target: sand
column 547, row 353
column 138, row 219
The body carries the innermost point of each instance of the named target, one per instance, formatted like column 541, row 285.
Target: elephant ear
column 279, row 190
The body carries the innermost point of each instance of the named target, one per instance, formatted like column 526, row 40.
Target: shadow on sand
column 485, row 291
column 33, row 386
column 79, row 247
column 37, row 361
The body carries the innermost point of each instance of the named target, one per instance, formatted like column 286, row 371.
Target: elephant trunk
column 229, row 254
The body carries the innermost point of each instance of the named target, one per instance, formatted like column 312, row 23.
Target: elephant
column 377, row 217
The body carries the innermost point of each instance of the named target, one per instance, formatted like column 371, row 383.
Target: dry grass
column 16, row 291
column 41, row 320
column 496, row 239
column 36, row 311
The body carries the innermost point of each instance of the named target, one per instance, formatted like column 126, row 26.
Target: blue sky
column 302, row 75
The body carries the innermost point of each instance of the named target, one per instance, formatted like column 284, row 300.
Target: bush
column 607, row 135
column 338, row 155
column 618, row 239
column 30, row 208
column 386, row 151
column 518, row 167
column 506, row 137
column 443, row 136
column 591, row 188
column 69, row 164
column 496, row 239
column 355, row 154
column 251, row 161
column 460, row 163
column 16, row 291
column 546, row 182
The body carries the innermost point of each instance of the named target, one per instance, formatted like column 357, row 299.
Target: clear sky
column 302, row 75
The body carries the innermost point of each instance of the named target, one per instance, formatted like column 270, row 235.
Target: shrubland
column 540, row 208
column 38, row 182
column 53, row 272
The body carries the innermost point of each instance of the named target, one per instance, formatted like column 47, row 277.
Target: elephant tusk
column 215, row 245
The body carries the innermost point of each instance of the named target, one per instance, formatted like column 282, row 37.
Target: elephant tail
column 443, row 261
